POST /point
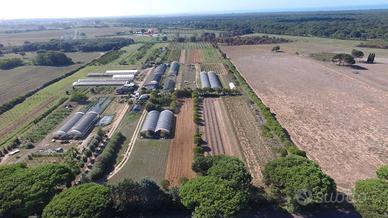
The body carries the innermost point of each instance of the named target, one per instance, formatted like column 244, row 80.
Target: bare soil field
column 256, row 150
column 194, row 56
column 182, row 58
column 339, row 120
column 181, row 154
column 217, row 128
column 19, row 81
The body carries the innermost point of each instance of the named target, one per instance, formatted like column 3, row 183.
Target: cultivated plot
column 339, row 120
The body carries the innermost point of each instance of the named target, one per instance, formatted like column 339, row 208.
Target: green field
column 148, row 159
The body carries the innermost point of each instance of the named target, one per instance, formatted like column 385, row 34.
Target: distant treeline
column 371, row 24
column 83, row 45
column 251, row 40
column 374, row 44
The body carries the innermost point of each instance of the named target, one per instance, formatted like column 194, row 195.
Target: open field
column 148, row 159
column 43, row 36
column 245, row 124
column 20, row 80
column 338, row 119
column 217, row 128
column 181, row 154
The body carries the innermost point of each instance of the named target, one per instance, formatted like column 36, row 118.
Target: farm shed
column 204, row 80
column 115, row 72
column 169, row 85
column 164, row 125
column 149, row 126
column 232, row 86
column 174, row 69
column 128, row 77
column 99, row 82
column 214, row 81
column 80, row 129
column 99, row 75
column 62, row 132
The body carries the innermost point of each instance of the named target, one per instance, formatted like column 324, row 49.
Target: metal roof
column 174, row 69
column 165, row 121
column 151, row 121
column 214, row 81
column 62, row 132
column 121, row 72
column 100, row 82
column 204, row 80
column 160, row 69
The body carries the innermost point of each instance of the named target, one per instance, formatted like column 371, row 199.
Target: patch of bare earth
column 339, row 120
column 181, row 154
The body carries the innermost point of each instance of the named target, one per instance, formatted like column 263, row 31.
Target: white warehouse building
column 128, row 77
column 114, row 72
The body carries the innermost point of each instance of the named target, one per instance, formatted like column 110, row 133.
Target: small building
column 13, row 152
column 115, row 72
column 128, row 77
column 104, row 121
column 232, row 86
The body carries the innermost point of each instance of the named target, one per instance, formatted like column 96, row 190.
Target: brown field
column 19, row 81
column 194, row 56
column 255, row 149
column 340, row 119
column 182, row 58
column 181, row 147
column 217, row 128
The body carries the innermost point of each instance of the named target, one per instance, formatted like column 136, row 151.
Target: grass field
column 20, row 80
column 148, row 159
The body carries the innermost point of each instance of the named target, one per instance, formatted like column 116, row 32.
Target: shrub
column 10, row 63
column 52, row 58
column 371, row 198
column 382, row 172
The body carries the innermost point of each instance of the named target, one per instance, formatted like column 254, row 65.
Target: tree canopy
column 371, row 198
column 52, row 58
column 87, row 200
column 357, row 53
column 10, row 63
column 342, row 59
column 209, row 196
column 382, row 172
column 292, row 174
column 25, row 191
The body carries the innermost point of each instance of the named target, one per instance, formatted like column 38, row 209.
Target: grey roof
column 151, row 121
column 99, row 75
column 204, row 80
column 84, row 124
column 160, row 69
column 99, row 82
column 214, row 81
column 169, row 85
column 68, row 125
column 174, row 69
column 165, row 121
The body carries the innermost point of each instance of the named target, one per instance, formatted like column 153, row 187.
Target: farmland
column 18, row 81
column 335, row 116
column 181, row 147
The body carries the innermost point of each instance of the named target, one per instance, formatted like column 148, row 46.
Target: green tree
column 371, row 58
column 342, row 59
column 231, row 169
column 291, row 175
column 382, row 172
column 357, row 53
column 10, row 63
column 202, row 164
column 52, row 58
column 87, row 200
column 209, row 196
column 25, row 191
column 371, row 198
column 276, row 48
column 78, row 96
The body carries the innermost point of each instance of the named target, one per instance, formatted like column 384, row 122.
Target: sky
column 20, row 9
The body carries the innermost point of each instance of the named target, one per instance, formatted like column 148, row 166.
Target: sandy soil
column 339, row 120
column 181, row 147
column 182, row 58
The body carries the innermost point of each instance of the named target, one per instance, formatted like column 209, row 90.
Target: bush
column 52, row 58
column 87, row 200
column 292, row 149
column 78, row 96
column 382, row 172
column 105, row 161
column 10, row 63
column 371, row 198
column 202, row 164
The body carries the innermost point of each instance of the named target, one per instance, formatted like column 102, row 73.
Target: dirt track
column 339, row 120
column 181, row 148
